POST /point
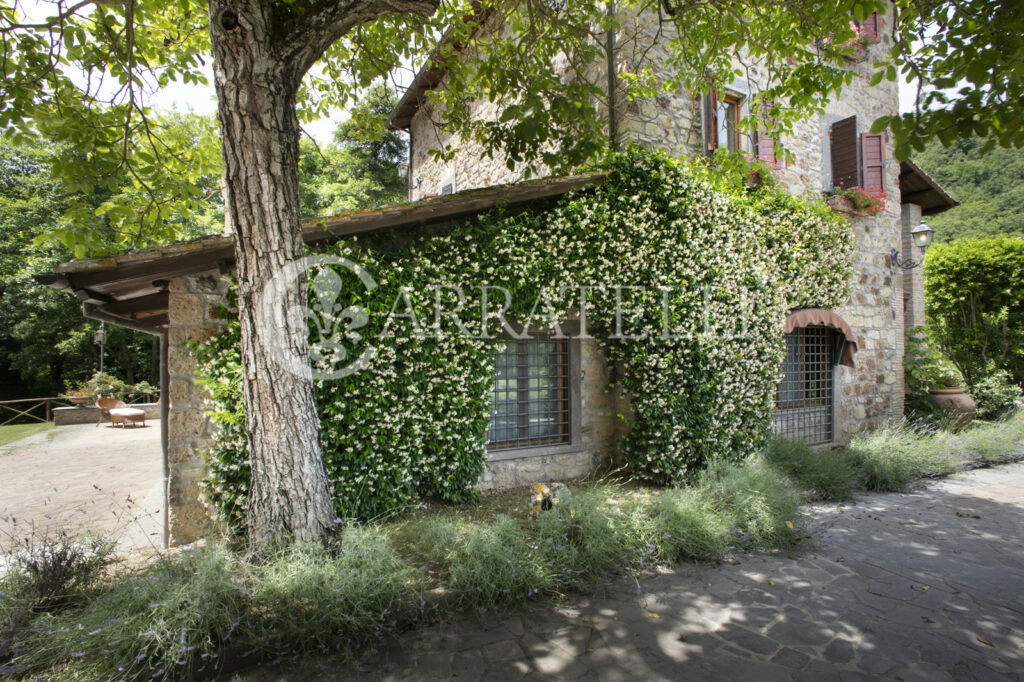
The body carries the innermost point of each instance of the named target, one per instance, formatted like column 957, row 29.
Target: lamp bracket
column 908, row 264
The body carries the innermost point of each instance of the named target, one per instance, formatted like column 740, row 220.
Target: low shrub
column 50, row 572
column 176, row 618
column 602, row 532
column 333, row 598
column 824, row 475
column 495, row 564
column 988, row 444
column 760, row 504
column 166, row 618
column 892, row 457
column 995, row 395
column 45, row 573
column 688, row 529
column 748, row 505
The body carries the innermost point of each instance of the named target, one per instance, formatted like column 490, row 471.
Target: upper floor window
column 858, row 160
column 723, row 129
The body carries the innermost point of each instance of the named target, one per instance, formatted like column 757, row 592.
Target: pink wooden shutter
column 845, row 161
column 870, row 25
column 872, row 147
column 764, row 149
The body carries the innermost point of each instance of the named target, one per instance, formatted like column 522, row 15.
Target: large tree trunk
column 289, row 497
column 261, row 50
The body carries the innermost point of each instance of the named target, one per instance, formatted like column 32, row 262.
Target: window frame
column 737, row 138
column 831, row 404
column 575, row 373
column 715, row 111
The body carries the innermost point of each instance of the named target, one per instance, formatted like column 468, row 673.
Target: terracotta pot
column 953, row 399
column 860, row 53
column 80, row 399
column 841, row 204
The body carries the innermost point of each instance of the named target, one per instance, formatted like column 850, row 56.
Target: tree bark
column 261, row 51
column 289, row 496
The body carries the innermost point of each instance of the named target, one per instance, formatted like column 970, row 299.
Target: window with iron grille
column 530, row 402
column 804, row 397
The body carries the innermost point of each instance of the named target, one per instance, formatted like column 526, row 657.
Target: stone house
column 827, row 393
column 828, row 151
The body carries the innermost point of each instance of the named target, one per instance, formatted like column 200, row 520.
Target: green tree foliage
column 989, row 187
column 125, row 51
column 975, row 304
column 360, row 168
column 965, row 58
column 45, row 343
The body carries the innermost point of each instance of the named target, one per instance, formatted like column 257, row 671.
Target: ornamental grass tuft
column 823, row 475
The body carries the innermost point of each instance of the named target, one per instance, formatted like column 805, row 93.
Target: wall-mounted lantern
column 922, row 238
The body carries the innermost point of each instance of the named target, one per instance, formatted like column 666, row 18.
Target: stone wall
column 601, row 429
column 913, row 280
column 192, row 312
column 466, row 171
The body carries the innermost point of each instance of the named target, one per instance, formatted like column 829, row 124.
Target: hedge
column 975, row 305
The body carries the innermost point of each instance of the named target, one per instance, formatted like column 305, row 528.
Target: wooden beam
column 95, row 297
column 139, row 307
column 109, row 281
column 916, row 197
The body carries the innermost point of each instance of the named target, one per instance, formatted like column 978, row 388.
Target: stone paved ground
column 84, row 478
column 921, row 586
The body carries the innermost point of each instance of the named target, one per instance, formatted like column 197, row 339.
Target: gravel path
column 84, row 478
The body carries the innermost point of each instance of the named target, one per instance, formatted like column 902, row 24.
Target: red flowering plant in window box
column 865, row 36
column 858, row 200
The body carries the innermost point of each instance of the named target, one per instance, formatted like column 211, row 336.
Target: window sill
column 539, row 451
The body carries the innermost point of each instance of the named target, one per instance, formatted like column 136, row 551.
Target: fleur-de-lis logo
column 333, row 327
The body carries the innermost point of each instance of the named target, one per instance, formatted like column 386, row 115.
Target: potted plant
column 862, row 40
column 859, row 201
column 950, row 396
column 80, row 395
column 105, row 385
column 142, row 389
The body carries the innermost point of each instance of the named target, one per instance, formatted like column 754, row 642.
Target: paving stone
column 505, row 650
column 791, row 658
column 750, row 641
column 839, row 651
column 798, row 631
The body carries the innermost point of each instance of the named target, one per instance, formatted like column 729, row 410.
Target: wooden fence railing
column 41, row 409
column 38, row 410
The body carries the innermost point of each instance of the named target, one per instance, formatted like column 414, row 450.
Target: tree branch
column 311, row 35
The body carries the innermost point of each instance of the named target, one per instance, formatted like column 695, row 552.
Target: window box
column 857, row 201
column 842, row 204
column 859, row 54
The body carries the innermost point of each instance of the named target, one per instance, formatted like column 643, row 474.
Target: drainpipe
column 91, row 312
column 609, row 49
column 165, row 469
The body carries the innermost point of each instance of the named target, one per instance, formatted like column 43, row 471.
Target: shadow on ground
column 921, row 586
